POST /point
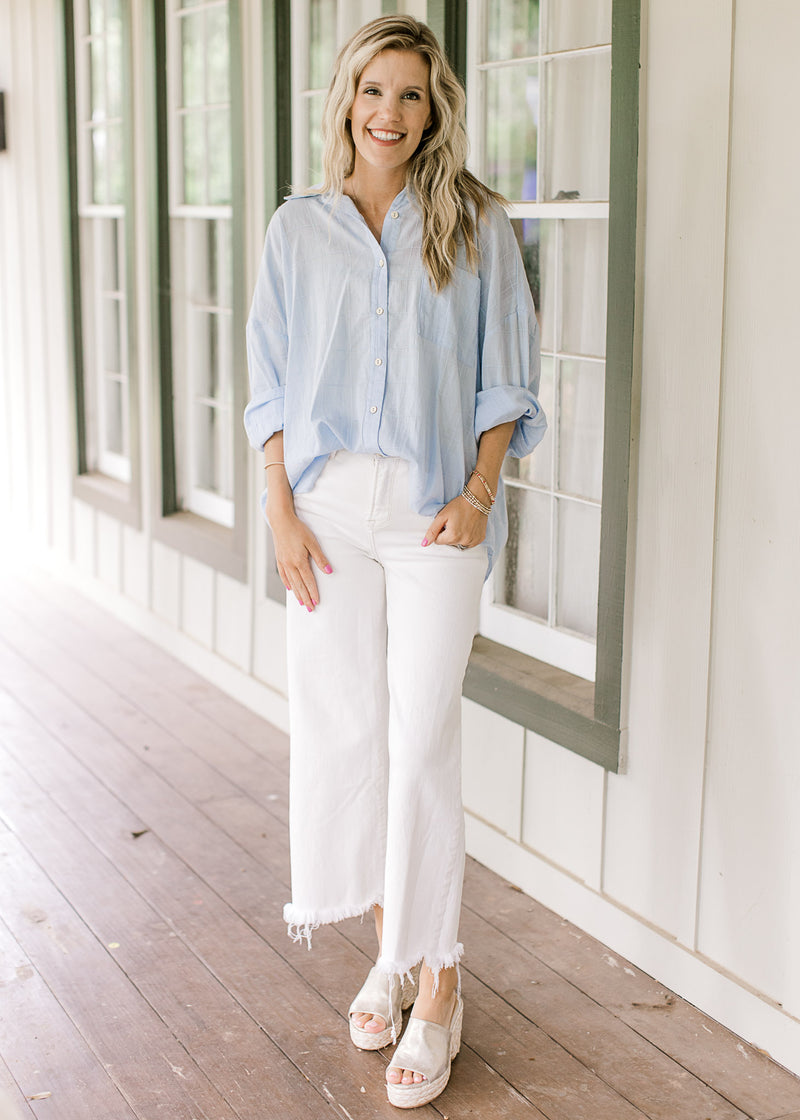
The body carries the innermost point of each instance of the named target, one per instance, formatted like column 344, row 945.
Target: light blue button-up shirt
column 350, row 347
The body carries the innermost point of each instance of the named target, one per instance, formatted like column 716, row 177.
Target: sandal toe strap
column 425, row 1048
column 380, row 995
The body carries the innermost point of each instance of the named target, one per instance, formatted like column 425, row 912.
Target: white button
column 395, row 213
column 374, row 409
column 381, row 264
column 379, row 311
column 378, row 362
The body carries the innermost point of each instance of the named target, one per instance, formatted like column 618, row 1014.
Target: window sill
column 547, row 700
column 117, row 499
column 220, row 548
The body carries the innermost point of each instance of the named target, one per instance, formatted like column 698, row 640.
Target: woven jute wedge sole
column 369, row 1040
column 414, row 1096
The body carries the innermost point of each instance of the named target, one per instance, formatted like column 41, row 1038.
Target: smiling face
column 390, row 111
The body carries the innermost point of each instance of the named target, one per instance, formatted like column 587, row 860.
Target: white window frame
column 194, row 497
column 91, row 215
column 501, row 623
column 350, row 15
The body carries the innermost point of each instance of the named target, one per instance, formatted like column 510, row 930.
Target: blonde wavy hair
column 452, row 200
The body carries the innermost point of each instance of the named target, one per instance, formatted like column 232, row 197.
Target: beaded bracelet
column 476, row 502
column 486, row 486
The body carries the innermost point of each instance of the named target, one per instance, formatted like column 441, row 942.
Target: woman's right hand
column 295, row 549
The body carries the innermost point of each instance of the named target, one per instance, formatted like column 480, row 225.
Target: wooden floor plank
column 559, row 1082
column 161, row 685
column 621, row 1057
column 643, row 1076
column 123, row 739
column 735, row 1069
column 247, row 1069
column 157, row 1076
column 475, row 1074
column 615, row 1107
column 44, row 1050
column 13, row 1104
column 190, row 919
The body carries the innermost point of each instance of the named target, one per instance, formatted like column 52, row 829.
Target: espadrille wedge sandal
column 387, row 996
column 427, row 1048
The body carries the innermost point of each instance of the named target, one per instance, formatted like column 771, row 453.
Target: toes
column 397, row 1076
column 367, row 1022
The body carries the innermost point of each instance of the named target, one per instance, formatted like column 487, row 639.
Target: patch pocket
column 449, row 319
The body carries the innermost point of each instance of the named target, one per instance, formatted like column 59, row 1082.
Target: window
column 201, row 256
column 102, row 172
column 315, row 39
column 555, row 127
column 319, row 28
column 539, row 115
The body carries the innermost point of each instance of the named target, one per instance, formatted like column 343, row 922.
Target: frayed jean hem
column 302, row 923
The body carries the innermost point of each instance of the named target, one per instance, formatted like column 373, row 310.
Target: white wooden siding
column 686, row 862
column 750, row 887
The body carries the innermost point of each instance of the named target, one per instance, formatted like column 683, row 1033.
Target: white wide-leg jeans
column 375, row 676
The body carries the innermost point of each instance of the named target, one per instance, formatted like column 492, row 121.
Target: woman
column 393, row 352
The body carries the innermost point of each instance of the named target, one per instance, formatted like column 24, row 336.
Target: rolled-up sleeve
column 267, row 344
column 509, row 345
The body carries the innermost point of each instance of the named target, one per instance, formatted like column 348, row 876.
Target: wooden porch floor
column 146, row 970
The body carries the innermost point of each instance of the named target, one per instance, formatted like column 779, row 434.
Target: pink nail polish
column 309, row 609
column 425, row 543
column 327, row 569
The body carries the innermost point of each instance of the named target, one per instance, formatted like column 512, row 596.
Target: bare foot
column 433, row 1009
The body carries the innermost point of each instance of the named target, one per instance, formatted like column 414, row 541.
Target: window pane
column 97, row 78
column 513, row 29
column 199, row 244
column 205, row 466
column 114, row 60
column 583, row 287
column 192, row 59
column 108, row 230
column 537, row 468
column 113, row 415
column 210, row 386
column 315, row 104
column 512, row 120
column 576, row 140
column 218, row 57
column 221, row 292
column 194, row 150
column 578, row 557
column 99, row 165
column 576, row 23
column 524, row 574
column 580, row 428
column 537, row 243
column 224, row 360
column 97, row 16
column 116, row 168
column 112, row 355
column 322, row 42
column 219, row 156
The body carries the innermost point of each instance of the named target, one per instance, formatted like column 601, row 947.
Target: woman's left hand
column 459, row 524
